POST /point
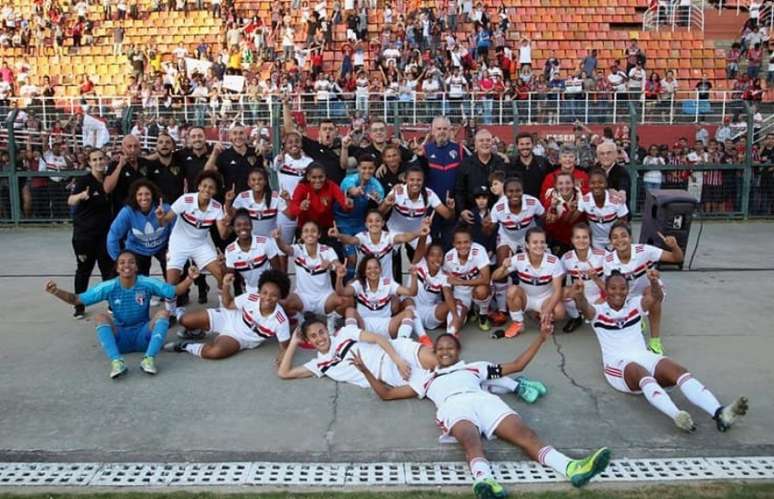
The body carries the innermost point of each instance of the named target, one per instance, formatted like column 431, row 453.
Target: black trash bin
column 669, row 211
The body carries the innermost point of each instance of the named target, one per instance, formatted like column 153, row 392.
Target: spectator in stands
column 732, row 60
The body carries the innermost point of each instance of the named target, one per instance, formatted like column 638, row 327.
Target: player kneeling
column 243, row 323
column 130, row 329
column 466, row 412
column 630, row 367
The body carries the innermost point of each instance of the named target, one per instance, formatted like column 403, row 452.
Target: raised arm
column 228, row 297
column 184, row 285
column 503, row 270
column 576, row 292
column 341, row 289
column 385, row 344
column 65, row 296
column 343, row 238
column 286, row 369
column 385, row 392
column 675, row 253
column 656, row 294
column 519, row 363
column 282, row 245
column 111, row 181
column 411, row 289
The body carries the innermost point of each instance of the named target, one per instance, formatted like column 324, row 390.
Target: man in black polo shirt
column 618, row 178
column 193, row 158
column 377, row 137
column 163, row 171
column 473, row 175
column 121, row 173
column 326, row 150
column 529, row 168
column 235, row 162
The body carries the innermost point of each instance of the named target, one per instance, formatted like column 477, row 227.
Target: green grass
column 693, row 491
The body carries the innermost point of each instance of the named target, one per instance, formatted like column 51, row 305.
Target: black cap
column 481, row 190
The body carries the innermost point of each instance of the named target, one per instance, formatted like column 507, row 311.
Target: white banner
column 196, row 65
column 235, row 83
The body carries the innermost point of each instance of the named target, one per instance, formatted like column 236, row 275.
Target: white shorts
column 202, row 255
column 225, row 322
column 408, row 350
column 378, row 325
column 313, row 303
column 483, row 409
column 427, row 316
column 464, row 294
column 614, row 367
column 287, row 227
column 515, row 247
column 535, row 303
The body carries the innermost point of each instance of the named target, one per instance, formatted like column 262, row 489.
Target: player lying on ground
column 466, row 412
column 373, row 295
column 392, row 361
column 540, row 283
column 130, row 329
column 630, row 367
column 242, row 323
column 633, row 261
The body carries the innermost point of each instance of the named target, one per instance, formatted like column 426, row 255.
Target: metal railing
column 552, row 107
column 672, row 16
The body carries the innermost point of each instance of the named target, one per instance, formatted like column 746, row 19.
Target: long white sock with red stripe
column 548, row 456
column 698, row 394
column 419, row 328
column 406, row 328
column 480, row 469
column 194, row 349
column 500, row 292
column 483, row 305
column 657, row 397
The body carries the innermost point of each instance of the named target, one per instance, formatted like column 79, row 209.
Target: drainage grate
column 47, row 473
column 316, row 474
column 365, row 474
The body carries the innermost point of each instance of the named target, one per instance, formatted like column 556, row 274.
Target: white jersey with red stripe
column 336, row 362
column 264, row 217
column 375, row 303
column 478, row 259
column 290, row 171
column 443, row 382
column 514, row 226
column 619, row 331
column 192, row 227
column 252, row 263
column 643, row 257
column 263, row 327
column 592, row 266
column 536, row 281
column 407, row 214
column 382, row 249
column 430, row 287
column 601, row 219
column 312, row 277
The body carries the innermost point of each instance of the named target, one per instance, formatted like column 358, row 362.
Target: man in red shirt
column 568, row 156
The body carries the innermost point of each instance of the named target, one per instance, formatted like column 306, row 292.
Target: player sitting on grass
column 465, row 411
column 630, row 367
column 130, row 329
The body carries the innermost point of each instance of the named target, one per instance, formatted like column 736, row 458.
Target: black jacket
column 531, row 175
column 471, row 177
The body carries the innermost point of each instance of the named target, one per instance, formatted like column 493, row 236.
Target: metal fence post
column 633, row 163
column 396, row 118
column 515, row 121
column 747, row 177
column 13, row 184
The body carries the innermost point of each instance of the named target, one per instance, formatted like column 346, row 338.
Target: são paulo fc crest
column 139, row 298
column 620, row 323
column 453, row 154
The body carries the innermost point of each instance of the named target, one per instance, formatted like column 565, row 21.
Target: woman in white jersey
column 602, row 209
column 585, row 264
column 373, row 295
column 190, row 238
column 410, row 203
column 263, row 205
column 435, row 303
column 630, row 367
column 540, row 283
column 633, row 261
column 515, row 213
column 314, row 263
column 243, row 322
column 250, row 255
column 377, row 242
column 290, row 167
column 467, row 267
column 465, row 412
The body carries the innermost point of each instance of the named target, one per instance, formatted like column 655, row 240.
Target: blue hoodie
column 140, row 233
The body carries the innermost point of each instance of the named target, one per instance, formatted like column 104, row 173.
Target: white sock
column 517, row 316
column 171, row 306
column 331, row 323
column 698, row 394
column 220, row 299
column 194, row 349
column 501, row 292
column 548, row 456
column 419, row 328
column 572, row 310
column 480, row 469
column 501, row 386
column 405, row 328
column 657, row 397
column 350, row 321
column 450, row 328
column 483, row 305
